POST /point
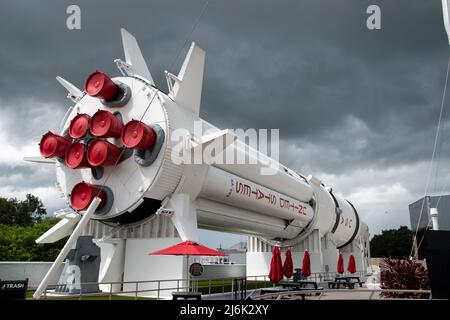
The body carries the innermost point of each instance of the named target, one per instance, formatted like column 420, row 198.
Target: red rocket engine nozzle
column 105, row 125
column 101, row 86
column 53, row 145
column 137, row 135
column 102, row 153
column 82, row 195
column 79, row 125
column 76, row 156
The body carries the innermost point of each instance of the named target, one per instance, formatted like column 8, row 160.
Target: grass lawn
column 113, row 297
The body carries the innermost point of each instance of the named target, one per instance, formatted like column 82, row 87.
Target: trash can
column 13, row 289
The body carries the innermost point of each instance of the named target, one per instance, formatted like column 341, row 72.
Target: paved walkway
column 334, row 294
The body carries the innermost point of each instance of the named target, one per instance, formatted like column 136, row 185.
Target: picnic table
column 346, row 282
column 355, row 280
column 301, row 285
column 186, row 295
column 273, row 290
column 278, row 290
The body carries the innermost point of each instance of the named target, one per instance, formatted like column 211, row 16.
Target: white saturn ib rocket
column 115, row 165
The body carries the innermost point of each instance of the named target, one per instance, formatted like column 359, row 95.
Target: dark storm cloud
column 345, row 98
column 26, row 176
column 298, row 66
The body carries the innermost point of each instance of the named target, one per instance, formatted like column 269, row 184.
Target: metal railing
column 157, row 287
column 323, row 276
column 373, row 294
column 237, row 286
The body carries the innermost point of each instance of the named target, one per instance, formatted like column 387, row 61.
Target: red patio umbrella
column 188, row 248
column 351, row 264
column 288, row 266
column 276, row 272
column 306, row 264
column 340, row 264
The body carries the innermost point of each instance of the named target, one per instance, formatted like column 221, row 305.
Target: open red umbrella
column 188, row 248
column 340, row 264
column 306, row 264
column 276, row 269
column 351, row 264
column 288, row 266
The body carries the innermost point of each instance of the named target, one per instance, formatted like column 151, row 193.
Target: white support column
column 184, row 217
column 65, row 250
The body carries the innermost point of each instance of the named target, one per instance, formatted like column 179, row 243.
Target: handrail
column 259, row 282
column 279, row 295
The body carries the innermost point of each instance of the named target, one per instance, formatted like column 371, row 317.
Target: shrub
column 403, row 274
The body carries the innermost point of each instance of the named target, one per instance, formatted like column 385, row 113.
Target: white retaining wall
column 34, row 271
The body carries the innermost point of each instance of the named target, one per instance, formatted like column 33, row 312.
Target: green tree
column 17, row 243
column 394, row 243
column 21, row 223
column 21, row 213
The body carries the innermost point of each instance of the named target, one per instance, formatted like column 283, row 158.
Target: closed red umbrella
column 306, row 264
column 351, row 264
column 288, row 266
column 276, row 268
column 340, row 264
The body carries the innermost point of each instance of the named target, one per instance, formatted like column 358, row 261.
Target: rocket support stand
column 65, row 250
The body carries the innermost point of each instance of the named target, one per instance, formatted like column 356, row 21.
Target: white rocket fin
column 226, row 136
column 133, row 56
column 60, row 230
column 446, row 14
column 184, row 216
column 220, row 140
column 187, row 87
column 39, row 159
column 74, row 94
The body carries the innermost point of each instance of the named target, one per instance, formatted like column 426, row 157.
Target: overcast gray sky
column 355, row 107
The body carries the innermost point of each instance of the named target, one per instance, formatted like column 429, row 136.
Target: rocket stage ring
column 109, row 200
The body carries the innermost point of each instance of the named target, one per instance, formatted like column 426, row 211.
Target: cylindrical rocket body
column 236, row 191
column 229, row 197
column 213, row 215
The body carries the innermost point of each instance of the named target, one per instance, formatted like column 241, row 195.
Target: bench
column 186, row 295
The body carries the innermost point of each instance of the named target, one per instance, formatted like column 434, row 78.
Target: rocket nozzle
column 102, row 153
column 137, row 135
column 105, row 125
column 101, row 86
column 76, row 156
column 82, row 195
column 79, row 125
column 53, row 145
